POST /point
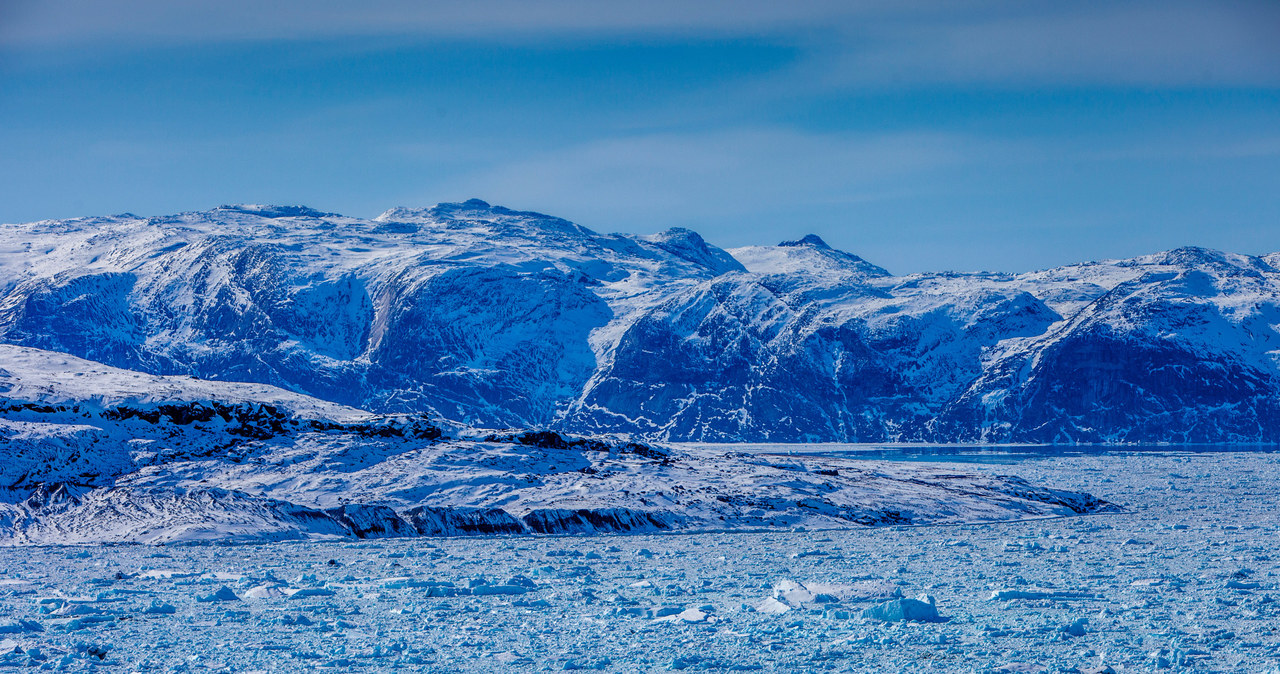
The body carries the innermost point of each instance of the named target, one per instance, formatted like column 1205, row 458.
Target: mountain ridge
column 495, row 317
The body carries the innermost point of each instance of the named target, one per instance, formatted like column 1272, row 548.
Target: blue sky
column 920, row 135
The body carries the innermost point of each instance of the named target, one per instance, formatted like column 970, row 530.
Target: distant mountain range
column 489, row 317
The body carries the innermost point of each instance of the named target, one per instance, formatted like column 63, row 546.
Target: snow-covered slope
column 1187, row 352
column 479, row 313
column 46, row 378
column 98, row 454
column 809, row 256
column 501, row 318
column 66, row 420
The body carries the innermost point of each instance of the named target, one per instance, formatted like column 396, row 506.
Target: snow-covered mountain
column 498, row 318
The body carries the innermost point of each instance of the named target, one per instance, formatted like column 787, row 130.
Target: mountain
column 1185, row 351
column 491, row 317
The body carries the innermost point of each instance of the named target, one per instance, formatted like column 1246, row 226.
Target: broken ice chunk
column 772, row 605
column 19, row 626
column 521, row 581
column 808, row 553
column 1009, row 595
column 265, row 591
column 223, row 593
column 1075, row 628
column 499, row 589
column 305, row 592
column 692, row 615
column 165, row 574
column 159, row 608
column 792, row 592
column 921, row 609
column 689, row 615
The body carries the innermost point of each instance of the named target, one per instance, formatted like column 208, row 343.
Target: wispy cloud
column 1143, row 42
column 1024, row 203
column 34, row 21
column 710, row 176
column 1001, row 133
column 1123, row 43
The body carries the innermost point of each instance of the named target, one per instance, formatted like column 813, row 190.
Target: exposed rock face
column 593, row 520
column 443, row 521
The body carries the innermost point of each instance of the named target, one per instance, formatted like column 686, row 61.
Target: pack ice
column 1183, row 581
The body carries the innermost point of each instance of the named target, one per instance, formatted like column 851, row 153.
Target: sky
column 923, row 136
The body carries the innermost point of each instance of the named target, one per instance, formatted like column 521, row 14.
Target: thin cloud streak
column 714, row 175
column 1169, row 44
column 872, row 42
column 875, row 194
column 65, row 21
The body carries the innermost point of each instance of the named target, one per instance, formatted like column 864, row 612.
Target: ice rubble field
column 1184, row 579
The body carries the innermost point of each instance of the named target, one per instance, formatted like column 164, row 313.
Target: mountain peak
column 1196, row 257
column 274, row 211
column 448, row 210
column 689, row 245
column 808, row 240
column 496, row 221
column 677, row 235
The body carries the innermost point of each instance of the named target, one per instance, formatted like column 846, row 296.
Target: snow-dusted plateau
column 410, row 424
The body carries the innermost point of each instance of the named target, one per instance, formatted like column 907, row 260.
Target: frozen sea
column 1183, row 579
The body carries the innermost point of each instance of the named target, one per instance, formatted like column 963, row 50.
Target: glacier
column 489, row 317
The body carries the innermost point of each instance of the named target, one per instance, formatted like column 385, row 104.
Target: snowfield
column 1184, row 578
